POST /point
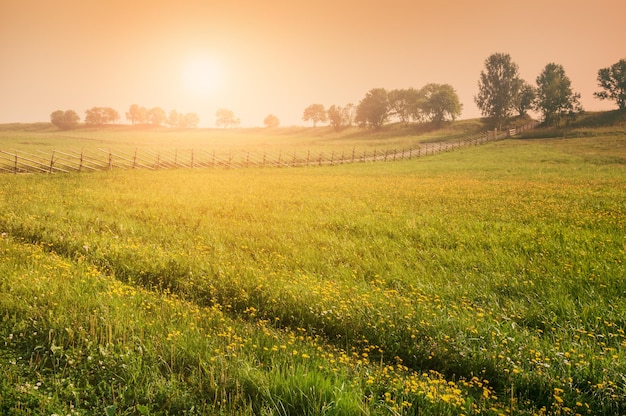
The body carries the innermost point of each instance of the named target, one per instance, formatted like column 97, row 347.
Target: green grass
column 43, row 136
column 488, row 280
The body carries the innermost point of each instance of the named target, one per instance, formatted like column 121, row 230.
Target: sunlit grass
column 489, row 280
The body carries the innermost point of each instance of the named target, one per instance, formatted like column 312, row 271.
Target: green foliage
column 613, row 82
column 555, row 97
column 498, row 88
column 525, row 98
column 407, row 104
column 373, row 110
column 440, row 103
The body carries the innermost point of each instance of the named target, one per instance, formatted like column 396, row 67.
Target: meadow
column 488, row 280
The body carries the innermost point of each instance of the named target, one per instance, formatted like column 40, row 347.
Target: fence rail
column 17, row 161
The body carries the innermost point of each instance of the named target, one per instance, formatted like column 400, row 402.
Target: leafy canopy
column 498, row 88
column 555, row 96
column 315, row 113
column 613, row 81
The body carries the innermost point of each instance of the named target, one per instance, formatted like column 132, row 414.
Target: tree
column 191, row 120
column 335, row 117
column 175, row 119
column 525, row 98
column 156, row 116
column 340, row 117
column 64, row 119
column 498, row 88
column 441, row 103
column 406, row 104
column 271, row 121
column 315, row 113
column 555, row 97
column 226, row 118
column 613, row 81
column 348, row 112
column 101, row 115
column 373, row 110
column 136, row 114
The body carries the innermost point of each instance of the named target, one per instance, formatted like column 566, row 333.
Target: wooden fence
column 16, row 161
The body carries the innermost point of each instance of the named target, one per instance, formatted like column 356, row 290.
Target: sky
column 261, row 57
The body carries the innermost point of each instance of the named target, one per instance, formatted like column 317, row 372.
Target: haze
column 279, row 56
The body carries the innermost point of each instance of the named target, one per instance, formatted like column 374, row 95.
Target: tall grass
column 489, row 280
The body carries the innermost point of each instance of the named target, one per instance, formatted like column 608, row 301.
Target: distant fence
column 56, row 161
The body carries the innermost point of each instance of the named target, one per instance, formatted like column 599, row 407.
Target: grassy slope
column 501, row 263
column 44, row 137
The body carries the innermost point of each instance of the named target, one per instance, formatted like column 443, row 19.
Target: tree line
column 433, row 102
column 98, row 116
column 502, row 93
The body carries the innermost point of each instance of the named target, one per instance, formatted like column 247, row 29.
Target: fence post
column 80, row 165
column 110, row 160
column 51, row 162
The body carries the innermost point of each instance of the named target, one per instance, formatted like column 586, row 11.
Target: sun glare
column 201, row 75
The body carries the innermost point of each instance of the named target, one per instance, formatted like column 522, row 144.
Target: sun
column 201, row 75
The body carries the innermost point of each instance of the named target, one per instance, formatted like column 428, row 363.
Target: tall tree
column 373, row 110
column 613, row 81
column 65, row 119
column 441, row 103
column 555, row 96
column 315, row 113
column 497, row 88
column 525, row 98
column 226, row 118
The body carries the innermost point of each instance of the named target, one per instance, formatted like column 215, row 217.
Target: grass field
column 489, row 280
column 44, row 136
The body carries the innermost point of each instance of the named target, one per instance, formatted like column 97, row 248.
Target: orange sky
column 279, row 56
